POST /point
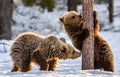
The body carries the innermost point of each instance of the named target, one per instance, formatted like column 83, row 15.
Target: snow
column 35, row 19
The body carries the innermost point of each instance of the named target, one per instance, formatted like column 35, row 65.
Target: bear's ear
column 61, row 19
column 64, row 51
column 63, row 39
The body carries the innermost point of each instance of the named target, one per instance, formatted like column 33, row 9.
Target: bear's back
column 102, row 50
column 52, row 43
column 27, row 41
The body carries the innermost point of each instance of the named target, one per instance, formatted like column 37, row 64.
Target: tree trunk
column 5, row 18
column 110, row 8
column 88, row 44
column 72, row 5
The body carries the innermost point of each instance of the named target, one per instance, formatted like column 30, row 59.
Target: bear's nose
column 81, row 17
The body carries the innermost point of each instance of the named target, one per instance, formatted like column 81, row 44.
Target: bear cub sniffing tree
column 103, row 56
column 45, row 51
column 73, row 23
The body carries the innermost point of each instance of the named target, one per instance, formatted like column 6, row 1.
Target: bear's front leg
column 39, row 60
column 85, row 33
column 44, row 65
column 52, row 65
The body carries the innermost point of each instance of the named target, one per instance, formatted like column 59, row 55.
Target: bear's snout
column 76, row 55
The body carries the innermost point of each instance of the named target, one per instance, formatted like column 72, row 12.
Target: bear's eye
column 73, row 17
column 73, row 52
column 64, row 50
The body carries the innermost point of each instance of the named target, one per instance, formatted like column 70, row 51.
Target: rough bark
column 72, row 5
column 5, row 18
column 88, row 44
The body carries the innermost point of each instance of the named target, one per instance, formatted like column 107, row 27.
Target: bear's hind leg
column 109, row 66
column 39, row 60
column 109, row 69
column 52, row 65
column 97, row 65
column 15, row 68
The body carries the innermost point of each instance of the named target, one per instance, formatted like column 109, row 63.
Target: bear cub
column 44, row 51
column 103, row 55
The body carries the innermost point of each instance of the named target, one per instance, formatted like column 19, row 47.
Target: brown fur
column 73, row 23
column 44, row 51
column 103, row 53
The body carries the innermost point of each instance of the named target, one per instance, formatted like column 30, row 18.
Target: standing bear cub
column 103, row 56
column 44, row 51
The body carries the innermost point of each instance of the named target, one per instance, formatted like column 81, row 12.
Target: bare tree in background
column 5, row 18
column 110, row 8
column 72, row 5
column 88, row 44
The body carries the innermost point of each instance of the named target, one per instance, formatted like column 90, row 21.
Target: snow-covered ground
column 35, row 20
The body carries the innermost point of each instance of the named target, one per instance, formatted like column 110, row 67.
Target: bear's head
column 71, row 18
column 52, row 47
column 71, row 53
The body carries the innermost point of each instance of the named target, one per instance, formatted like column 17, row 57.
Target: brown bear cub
column 73, row 23
column 45, row 51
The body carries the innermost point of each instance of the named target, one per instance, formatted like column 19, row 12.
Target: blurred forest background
column 42, row 17
column 17, row 16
